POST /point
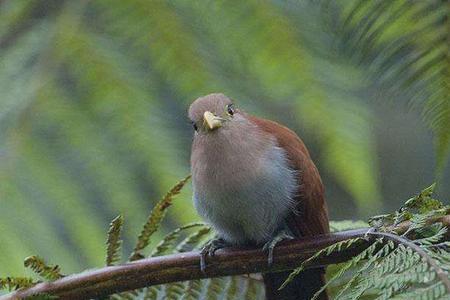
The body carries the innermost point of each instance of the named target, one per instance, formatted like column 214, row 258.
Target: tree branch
column 186, row 266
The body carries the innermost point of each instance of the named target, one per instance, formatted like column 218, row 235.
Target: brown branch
column 186, row 266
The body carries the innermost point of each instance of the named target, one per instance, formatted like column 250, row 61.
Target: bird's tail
column 302, row 287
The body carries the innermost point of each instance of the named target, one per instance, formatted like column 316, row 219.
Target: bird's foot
column 209, row 249
column 270, row 245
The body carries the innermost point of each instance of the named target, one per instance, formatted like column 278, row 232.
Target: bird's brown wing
column 312, row 215
column 310, row 219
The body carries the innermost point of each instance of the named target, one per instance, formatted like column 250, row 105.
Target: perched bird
column 255, row 183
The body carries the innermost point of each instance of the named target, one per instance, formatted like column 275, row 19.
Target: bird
column 255, row 183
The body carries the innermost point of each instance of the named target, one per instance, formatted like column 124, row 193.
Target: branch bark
column 186, row 266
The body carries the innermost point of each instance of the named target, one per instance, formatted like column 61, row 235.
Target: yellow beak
column 212, row 122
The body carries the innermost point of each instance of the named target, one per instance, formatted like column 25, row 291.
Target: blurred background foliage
column 93, row 100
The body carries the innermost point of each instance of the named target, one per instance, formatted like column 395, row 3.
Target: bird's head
column 212, row 113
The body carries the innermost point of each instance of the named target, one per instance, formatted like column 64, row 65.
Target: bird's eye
column 195, row 126
column 230, row 109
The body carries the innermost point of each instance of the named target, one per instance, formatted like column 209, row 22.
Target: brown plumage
column 312, row 213
column 252, row 179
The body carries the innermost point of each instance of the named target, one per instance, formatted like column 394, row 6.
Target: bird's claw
column 210, row 249
column 270, row 245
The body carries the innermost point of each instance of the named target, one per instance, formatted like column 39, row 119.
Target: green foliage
column 325, row 251
column 417, row 210
column 377, row 33
column 39, row 266
column 14, row 283
column 113, row 241
column 168, row 243
column 396, row 262
column 155, row 218
column 400, row 263
column 94, row 97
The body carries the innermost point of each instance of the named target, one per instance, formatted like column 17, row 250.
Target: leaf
column 14, row 283
column 232, row 288
column 167, row 244
column 113, row 241
column 215, row 287
column 193, row 290
column 353, row 262
column 38, row 265
column 379, row 32
column 250, row 290
column 194, row 240
column 323, row 252
column 174, row 290
column 155, row 218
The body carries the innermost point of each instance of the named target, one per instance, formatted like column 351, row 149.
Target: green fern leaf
column 385, row 250
column 214, row 287
column 250, row 289
column 323, row 252
column 174, row 291
column 38, row 265
column 232, row 289
column 353, row 262
column 194, row 241
column 155, row 218
column 377, row 33
column 193, row 290
column 167, row 244
column 435, row 291
column 113, row 241
column 14, row 283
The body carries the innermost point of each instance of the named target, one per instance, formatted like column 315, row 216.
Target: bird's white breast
column 243, row 185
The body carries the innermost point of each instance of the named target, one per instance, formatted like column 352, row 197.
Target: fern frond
column 418, row 210
column 423, row 201
column 39, row 266
column 168, row 242
column 194, row 241
column 193, row 290
column 214, row 287
column 435, row 233
column 435, row 291
column 113, row 241
column 150, row 293
column 353, row 262
column 232, row 289
column 400, row 259
column 250, row 289
column 173, row 291
column 155, row 218
column 14, row 283
column 377, row 33
column 425, row 256
column 323, row 252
